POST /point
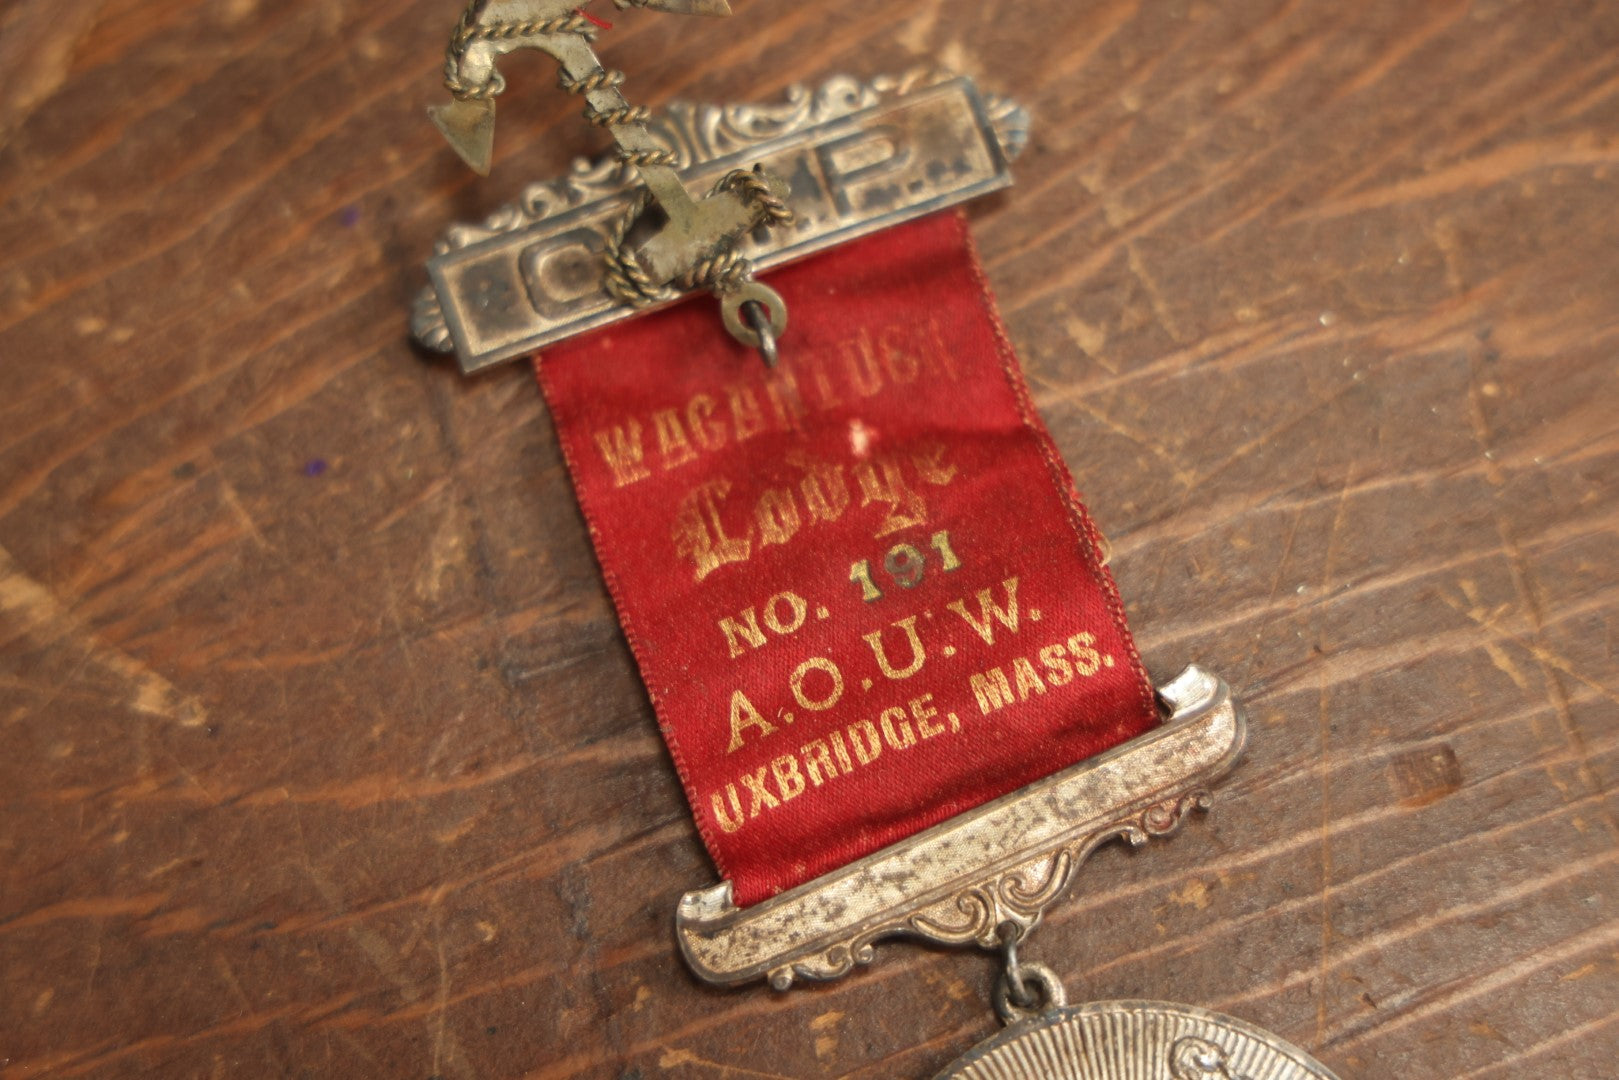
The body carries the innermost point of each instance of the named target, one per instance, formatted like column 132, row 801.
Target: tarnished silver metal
column 859, row 157
column 1023, row 991
column 1018, row 991
column 959, row 881
column 1045, row 994
column 1135, row 1040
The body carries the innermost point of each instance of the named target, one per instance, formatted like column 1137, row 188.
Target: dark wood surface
column 351, row 775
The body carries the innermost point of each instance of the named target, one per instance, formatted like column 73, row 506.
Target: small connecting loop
column 756, row 315
column 1024, row 991
column 759, row 319
column 1018, row 992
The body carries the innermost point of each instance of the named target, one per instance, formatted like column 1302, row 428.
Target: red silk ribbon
column 862, row 591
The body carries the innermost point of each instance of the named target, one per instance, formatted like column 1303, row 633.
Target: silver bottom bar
column 1007, row 860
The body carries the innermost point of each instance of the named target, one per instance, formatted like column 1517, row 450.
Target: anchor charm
column 694, row 244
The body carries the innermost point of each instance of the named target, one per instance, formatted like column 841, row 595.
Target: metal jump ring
column 759, row 319
column 1024, row 991
column 1048, row 994
column 744, row 312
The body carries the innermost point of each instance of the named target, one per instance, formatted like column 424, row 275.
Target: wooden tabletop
column 321, row 753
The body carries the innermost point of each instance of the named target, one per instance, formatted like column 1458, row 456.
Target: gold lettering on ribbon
column 785, row 613
column 785, row 401
column 818, row 760
column 797, row 609
column 709, row 433
column 868, row 745
column 743, row 716
column 728, row 822
column 991, row 689
column 761, row 797
column 861, row 360
column 840, row 753
column 822, row 664
column 1059, row 672
column 994, row 690
column 989, row 613
column 930, row 464
column 823, row 384
column 746, row 417
column 897, row 729
column 825, row 492
column 1086, row 659
column 777, row 516
column 621, row 449
column 902, row 365
column 918, row 653
column 703, row 425
column 789, row 781
column 699, row 534
column 673, row 446
column 882, row 482
column 923, row 712
column 1028, row 679
column 742, row 630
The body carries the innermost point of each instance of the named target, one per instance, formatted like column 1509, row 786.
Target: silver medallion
column 1135, row 1040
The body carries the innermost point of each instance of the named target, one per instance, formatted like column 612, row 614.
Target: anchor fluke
column 469, row 127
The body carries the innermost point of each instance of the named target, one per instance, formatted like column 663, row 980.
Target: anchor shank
column 579, row 60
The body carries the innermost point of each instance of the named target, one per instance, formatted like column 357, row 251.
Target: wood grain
column 348, row 772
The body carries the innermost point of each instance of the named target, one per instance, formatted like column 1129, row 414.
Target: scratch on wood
column 1278, row 852
column 38, row 615
column 1482, row 171
column 440, row 1005
column 1600, row 937
column 228, row 491
column 1423, row 776
column 674, row 1058
column 386, row 960
column 826, row 1034
column 1377, row 943
column 96, row 908
column 1513, row 1065
column 37, row 42
column 1523, row 583
column 1155, row 295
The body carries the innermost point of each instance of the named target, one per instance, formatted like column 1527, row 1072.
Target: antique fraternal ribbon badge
column 872, row 614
